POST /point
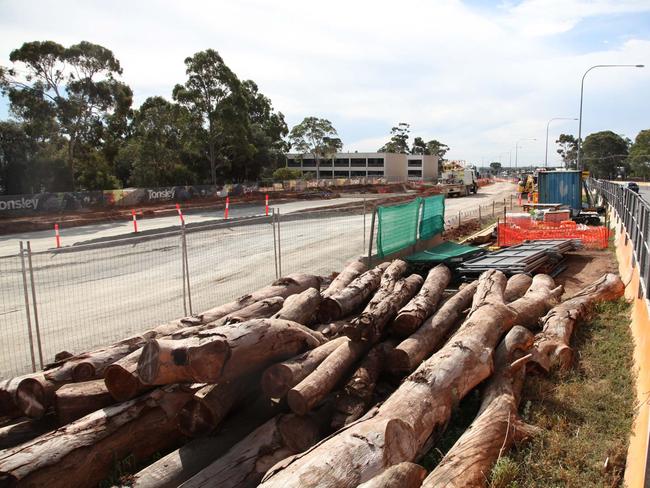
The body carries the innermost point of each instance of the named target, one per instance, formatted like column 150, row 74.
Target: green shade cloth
column 445, row 252
column 397, row 227
column 433, row 216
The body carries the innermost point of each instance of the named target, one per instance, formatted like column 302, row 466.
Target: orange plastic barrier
column 510, row 234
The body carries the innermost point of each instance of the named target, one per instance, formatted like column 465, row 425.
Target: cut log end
column 196, row 419
column 297, row 402
column 277, row 380
column 31, row 398
column 83, row 372
column 121, row 384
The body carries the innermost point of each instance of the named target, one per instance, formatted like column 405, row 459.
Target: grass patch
column 586, row 413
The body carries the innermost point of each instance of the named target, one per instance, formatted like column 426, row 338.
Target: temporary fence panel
column 591, row 237
column 397, row 227
column 433, row 216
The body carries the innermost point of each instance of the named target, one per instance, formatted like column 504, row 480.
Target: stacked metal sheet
column 529, row 257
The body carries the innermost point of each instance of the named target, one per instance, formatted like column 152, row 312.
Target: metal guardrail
column 634, row 213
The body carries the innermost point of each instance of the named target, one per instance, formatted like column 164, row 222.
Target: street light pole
column 517, row 149
column 582, row 89
column 547, row 126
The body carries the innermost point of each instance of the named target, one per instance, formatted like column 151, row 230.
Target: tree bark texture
column 402, row 475
column 552, row 344
column 23, row 430
column 279, row 378
column 301, row 307
column 352, row 297
column 75, row 400
column 351, row 272
column 497, row 425
column 122, row 379
column 430, row 336
column 517, row 286
column 413, row 314
column 389, row 279
column 421, row 407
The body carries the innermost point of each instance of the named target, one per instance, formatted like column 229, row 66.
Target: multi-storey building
column 352, row 165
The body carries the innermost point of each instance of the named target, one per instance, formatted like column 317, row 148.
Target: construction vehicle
column 526, row 184
column 457, row 180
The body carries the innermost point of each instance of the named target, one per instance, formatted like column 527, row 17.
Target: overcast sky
column 476, row 75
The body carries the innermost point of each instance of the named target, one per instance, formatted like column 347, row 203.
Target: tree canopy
column 639, row 156
column 315, row 137
column 603, row 153
column 568, row 150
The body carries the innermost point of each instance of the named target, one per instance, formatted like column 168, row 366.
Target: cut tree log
column 315, row 387
column 413, row 314
column 82, row 453
column 402, row 475
column 246, row 462
column 183, row 463
column 497, row 425
column 8, row 406
column 122, row 379
column 420, row 408
column 35, row 394
column 517, row 286
column 75, row 400
column 224, row 353
column 552, row 344
column 369, row 326
column 351, row 272
column 350, row 298
column 356, row 396
column 23, row 430
column 334, row 329
column 389, row 279
column 430, row 336
column 209, row 406
column 279, row 378
column 301, row 308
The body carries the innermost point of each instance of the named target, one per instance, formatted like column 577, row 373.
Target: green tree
column 316, row 137
column 282, row 174
column 437, row 148
column 639, row 157
column 568, row 150
column 495, row 166
column 70, row 94
column 603, row 153
column 212, row 93
column 399, row 140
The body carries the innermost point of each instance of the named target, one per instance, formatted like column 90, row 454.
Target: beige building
column 398, row 167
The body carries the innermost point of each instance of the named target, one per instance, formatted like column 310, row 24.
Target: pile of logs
column 298, row 386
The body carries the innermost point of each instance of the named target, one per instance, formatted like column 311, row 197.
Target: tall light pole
column 517, row 148
column 582, row 88
column 547, row 125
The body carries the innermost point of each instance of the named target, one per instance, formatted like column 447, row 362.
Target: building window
column 342, row 162
column 293, row 163
column 415, row 163
column 325, row 174
column 415, row 172
column 358, row 173
column 359, row 162
column 343, row 174
column 308, row 162
column 375, row 162
column 326, row 163
column 376, row 173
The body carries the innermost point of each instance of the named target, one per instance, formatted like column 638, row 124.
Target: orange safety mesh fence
column 510, row 234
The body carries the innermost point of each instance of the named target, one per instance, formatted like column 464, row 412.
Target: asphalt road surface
column 92, row 297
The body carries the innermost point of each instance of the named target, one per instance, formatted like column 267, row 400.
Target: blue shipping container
column 560, row 187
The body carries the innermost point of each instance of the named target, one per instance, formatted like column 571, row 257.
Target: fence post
column 479, row 215
column 459, row 218
column 34, row 305
column 364, row 223
column 372, row 232
column 183, row 275
column 492, row 208
column 275, row 244
column 187, row 268
column 279, row 243
column 26, row 295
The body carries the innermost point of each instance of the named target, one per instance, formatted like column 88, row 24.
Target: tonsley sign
column 19, row 204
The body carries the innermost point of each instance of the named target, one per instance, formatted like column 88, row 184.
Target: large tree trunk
column 301, row 308
column 8, row 404
column 181, row 464
column 75, row 400
column 402, row 475
column 24, row 430
column 369, row 326
column 412, row 351
column 389, row 280
column 351, row 272
column 517, row 287
column 122, row 379
column 334, row 329
column 497, row 425
column 245, row 464
column 279, row 378
column 35, row 394
column 421, row 407
column 552, row 344
column 414, row 313
column 225, row 353
column 350, row 298
column 82, row 453
column 314, row 388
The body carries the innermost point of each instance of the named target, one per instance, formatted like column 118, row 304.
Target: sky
column 482, row 77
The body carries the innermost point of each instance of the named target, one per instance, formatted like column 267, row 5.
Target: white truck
column 460, row 182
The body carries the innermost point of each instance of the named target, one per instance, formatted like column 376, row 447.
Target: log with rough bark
column 414, row 313
column 351, row 272
column 23, row 430
column 279, row 378
column 316, row 386
column 224, row 353
column 122, row 380
column 412, row 351
column 334, row 329
column 369, row 326
column 497, row 425
column 209, row 406
column 246, row 462
column 517, row 286
column 35, row 394
column 552, row 344
column 350, row 298
column 83, row 452
column 389, row 280
column 74, row 400
column 301, row 308
column 355, row 398
column 183, row 463
column 420, row 408
column 402, row 475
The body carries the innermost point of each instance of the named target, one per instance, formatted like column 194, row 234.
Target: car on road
column 633, row 186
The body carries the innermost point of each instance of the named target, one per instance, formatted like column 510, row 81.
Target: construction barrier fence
column 510, row 234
